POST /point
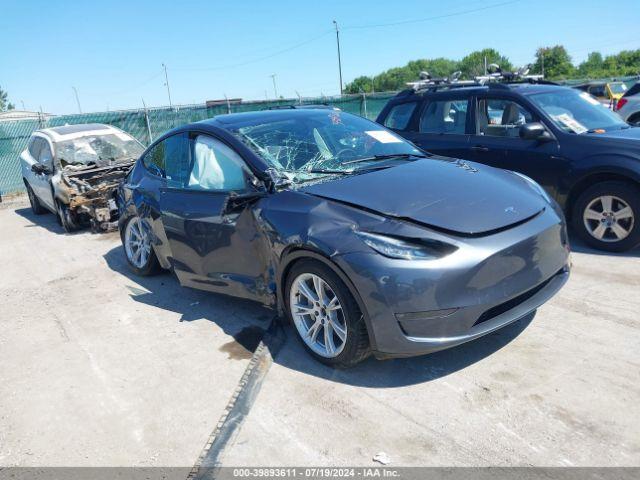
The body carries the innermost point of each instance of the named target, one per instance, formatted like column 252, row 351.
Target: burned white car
column 74, row 172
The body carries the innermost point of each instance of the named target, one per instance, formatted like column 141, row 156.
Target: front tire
column 607, row 216
column 66, row 218
column 325, row 315
column 136, row 241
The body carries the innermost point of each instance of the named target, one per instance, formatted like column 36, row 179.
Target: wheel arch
column 294, row 254
column 634, row 117
column 592, row 179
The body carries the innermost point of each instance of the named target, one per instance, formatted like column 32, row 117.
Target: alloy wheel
column 137, row 242
column 608, row 218
column 318, row 315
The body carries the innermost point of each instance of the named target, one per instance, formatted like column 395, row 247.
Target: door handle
column 480, row 148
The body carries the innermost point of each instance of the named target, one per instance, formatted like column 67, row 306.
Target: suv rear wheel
column 35, row 203
column 607, row 216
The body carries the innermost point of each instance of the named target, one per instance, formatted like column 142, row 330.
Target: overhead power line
column 436, row 17
column 260, row 59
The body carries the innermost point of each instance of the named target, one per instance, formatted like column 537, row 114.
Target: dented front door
column 213, row 249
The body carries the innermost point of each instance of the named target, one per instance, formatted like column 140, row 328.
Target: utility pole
column 485, row 64
column 275, row 90
column 166, row 82
column 77, row 99
column 146, row 121
column 542, row 58
column 339, row 56
column 22, row 102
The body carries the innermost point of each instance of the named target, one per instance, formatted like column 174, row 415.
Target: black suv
column 583, row 154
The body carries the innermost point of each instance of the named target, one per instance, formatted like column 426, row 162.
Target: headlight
column 404, row 248
column 535, row 186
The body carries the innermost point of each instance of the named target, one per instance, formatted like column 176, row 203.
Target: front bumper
column 418, row 307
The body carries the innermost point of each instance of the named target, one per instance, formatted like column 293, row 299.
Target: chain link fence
column 147, row 124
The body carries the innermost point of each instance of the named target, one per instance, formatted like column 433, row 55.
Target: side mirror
column 534, row 131
column 237, row 201
column 39, row 169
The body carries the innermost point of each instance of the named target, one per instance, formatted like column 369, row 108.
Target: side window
column 501, row 118
column 444, row 116
column 170, row 159
column 399, row 115
column 35, row 145
column 46, row 155
column 216, row 166
column 154, row 159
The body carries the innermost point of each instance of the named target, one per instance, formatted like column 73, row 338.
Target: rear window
column 399, row 116
column 444, row 116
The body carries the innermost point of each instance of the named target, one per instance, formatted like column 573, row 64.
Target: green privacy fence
column 147, row 124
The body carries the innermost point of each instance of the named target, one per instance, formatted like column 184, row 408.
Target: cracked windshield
column 325, row 142
column 97, row 150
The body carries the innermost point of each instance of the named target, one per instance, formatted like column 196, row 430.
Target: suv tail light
column 620, row 104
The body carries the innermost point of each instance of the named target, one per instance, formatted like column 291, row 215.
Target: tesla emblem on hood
column 510, row 210
column 465, row 166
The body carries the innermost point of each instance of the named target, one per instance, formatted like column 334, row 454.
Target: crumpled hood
column 453, row 195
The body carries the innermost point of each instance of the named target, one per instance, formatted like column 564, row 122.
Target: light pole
column 339, row 56
column 77, row 99
column 166, row 82
column 275, row 90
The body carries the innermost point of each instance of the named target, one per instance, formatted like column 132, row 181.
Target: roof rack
column 495, row 74
column 493, row 78
column 427, row 82
column 320, row 106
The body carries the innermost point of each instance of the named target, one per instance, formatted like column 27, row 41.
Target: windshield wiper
column 328, row 171
column 375, row 158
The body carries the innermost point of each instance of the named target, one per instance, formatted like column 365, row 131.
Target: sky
column 112, row 52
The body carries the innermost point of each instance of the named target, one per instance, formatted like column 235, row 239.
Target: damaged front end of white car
column 88, row 195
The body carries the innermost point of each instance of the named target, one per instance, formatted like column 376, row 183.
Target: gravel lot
column 98, row 367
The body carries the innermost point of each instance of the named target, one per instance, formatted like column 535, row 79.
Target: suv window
column 444, row 116
column 501, row 118
column 399, row 115
column 45, row 156
column 170, row 159
column 35, row 145
column 215, row 166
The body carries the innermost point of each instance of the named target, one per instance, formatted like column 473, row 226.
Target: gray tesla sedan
column 364, row 242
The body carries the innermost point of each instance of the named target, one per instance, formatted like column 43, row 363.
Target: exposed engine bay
column 91, row 194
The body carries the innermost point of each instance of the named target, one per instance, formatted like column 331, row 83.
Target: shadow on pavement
column 578, row 246
column 374, row 373
column 247, row 322
column 47, row 221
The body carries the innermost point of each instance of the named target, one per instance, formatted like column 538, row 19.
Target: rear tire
column 607, row 216
column 36, row 207
column 138, row 250
column 334, row 319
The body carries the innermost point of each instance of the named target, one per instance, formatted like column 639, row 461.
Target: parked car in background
column 74, row 171
column 584, row 155
column 353, row 233
column 628, row 107
column 607, row 93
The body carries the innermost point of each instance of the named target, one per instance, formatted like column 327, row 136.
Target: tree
column 473, row 64
column 554, row 62
column 396, row 78
column 4, row 102
column 593, row 66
